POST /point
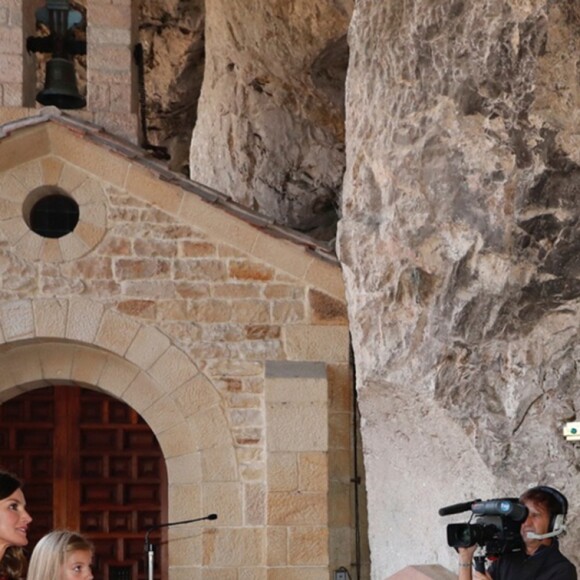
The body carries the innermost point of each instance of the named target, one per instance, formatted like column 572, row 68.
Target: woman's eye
column 13, row 506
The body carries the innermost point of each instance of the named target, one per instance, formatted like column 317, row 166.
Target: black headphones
column 557, row 518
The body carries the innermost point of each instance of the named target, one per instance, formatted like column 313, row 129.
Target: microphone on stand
column 149, row 546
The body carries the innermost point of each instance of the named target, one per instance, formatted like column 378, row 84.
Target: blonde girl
column 61, row 555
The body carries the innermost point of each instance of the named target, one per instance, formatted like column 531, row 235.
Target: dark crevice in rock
column 558, row 188
column 534, row 38
column 549, row 152
column 525, row 413
column 328, row 71
column 520, row 148
column 174, row 53
column 259, row 84
column 315, row 214
column 563, row 260
column 542, row 227
column 521, row 312
column 469, row 100
column 456, row 9
column 501, row 65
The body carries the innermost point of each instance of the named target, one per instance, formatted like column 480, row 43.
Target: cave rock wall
column 459, row 242
column 270, row 128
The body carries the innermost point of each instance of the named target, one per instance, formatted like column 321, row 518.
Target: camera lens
column 465, row 535
column 460, row 535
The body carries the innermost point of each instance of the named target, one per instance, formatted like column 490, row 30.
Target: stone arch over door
column 89, row 463
column 47, row 342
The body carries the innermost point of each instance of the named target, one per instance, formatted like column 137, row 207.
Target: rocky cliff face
column 269, row 124
column 460, row 245
column 171, row 33
column 270, row 129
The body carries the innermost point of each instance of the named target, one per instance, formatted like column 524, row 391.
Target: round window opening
column 54, row 216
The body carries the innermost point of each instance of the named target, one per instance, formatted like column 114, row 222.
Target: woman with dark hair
column 14, row 521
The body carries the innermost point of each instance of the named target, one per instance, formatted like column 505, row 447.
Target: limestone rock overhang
column 52, row 133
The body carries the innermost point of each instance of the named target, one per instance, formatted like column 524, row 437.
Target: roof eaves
column 8, row 128
column 99, row 136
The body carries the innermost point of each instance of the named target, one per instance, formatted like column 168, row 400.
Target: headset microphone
column 533, row 536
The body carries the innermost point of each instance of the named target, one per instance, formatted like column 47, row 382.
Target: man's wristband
column 462, row 565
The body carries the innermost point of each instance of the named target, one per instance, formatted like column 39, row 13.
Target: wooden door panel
column 89, row 463
column 28, row 452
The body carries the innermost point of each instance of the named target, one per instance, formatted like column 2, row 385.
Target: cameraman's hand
column 466, row 554
column 466, row 563
column 466, row 570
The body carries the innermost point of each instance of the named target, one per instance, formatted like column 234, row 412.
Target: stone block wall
column 297, row 457
column 231, row 344
column 111, row 73
column 12, row 49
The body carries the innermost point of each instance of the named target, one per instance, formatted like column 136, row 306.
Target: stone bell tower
column 111, row 91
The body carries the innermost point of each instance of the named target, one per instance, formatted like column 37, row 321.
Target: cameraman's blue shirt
column 547, row 563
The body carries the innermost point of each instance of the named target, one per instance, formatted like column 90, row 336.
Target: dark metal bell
column 60, row 86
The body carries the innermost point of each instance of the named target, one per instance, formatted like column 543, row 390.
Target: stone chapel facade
column 228, row 335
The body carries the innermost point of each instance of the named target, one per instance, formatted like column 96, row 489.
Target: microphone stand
column 149, row 545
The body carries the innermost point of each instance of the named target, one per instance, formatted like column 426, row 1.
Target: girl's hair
column 13, row 563
column 51, row 551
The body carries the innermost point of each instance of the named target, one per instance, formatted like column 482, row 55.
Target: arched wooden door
column 90, row 463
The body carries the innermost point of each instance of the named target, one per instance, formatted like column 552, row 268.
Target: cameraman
column 541, row 558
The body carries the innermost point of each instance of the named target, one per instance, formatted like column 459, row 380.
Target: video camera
column 496, row 528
